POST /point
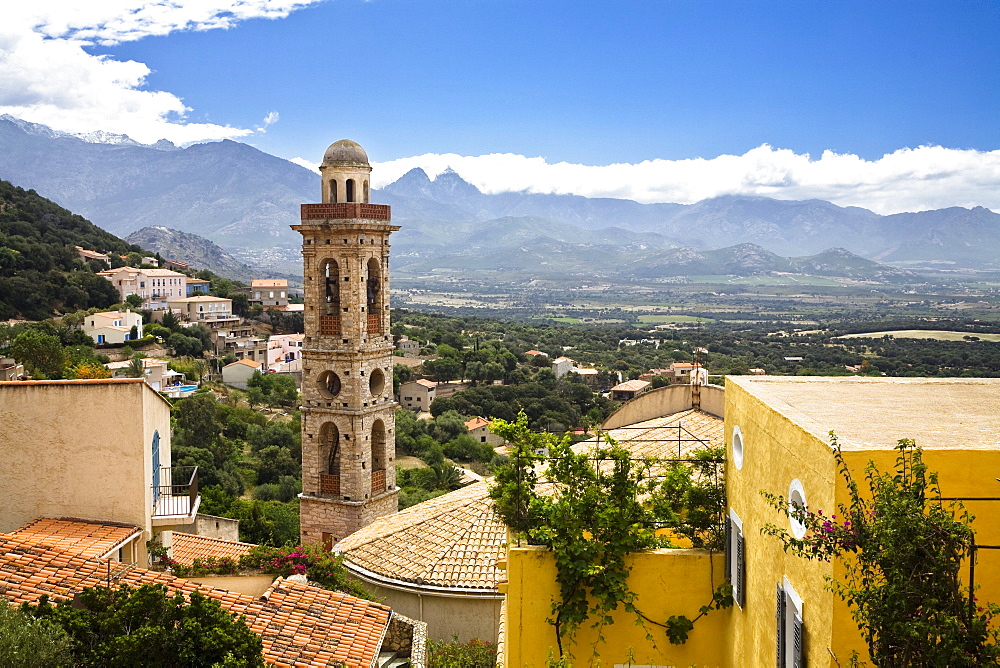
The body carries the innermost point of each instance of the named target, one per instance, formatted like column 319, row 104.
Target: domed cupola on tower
column 345, row 171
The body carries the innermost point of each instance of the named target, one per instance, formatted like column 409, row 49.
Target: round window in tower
column 796, row 508
column 376, row 382
column 329, row 384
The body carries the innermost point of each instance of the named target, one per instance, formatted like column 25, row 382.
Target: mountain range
column 192, row 249
column 244, row 200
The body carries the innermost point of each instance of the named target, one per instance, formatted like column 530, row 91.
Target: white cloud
column 302, row 162
column 47, row 76
column 928, row 177
column 270, row 119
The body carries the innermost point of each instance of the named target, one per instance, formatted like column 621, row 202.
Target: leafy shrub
column 146, row 626
column 474, row 654
column 31, row 643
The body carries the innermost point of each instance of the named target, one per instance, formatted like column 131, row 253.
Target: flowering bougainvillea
column 320, row 567
column 902, row 548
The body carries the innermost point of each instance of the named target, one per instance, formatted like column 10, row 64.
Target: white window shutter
column 798, row 660
column 779, row 615
column 729, row 552
column 740, row 571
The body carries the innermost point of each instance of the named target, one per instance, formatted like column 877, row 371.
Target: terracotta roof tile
column 453, row 540
column 631, row 386
column 298, row 624
column 89, row 539
column 187, row 547
column 476, row 423
column 661, row 437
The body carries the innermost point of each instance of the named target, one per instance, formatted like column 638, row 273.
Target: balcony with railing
column 378, row 482
column 175, row 496
column 346, row 210
column 329, row 485
column 329, row 325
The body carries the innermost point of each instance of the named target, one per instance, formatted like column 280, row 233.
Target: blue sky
column 586, row 83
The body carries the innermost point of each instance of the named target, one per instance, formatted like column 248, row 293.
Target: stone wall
column 408, row 637
column 341, row 518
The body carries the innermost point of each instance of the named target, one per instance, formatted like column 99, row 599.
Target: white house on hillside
column 113, row 326
column 239, row 372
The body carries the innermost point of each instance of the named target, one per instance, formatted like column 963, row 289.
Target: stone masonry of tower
column 348, row 426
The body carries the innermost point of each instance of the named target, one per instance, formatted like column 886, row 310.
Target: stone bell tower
column 348, row 428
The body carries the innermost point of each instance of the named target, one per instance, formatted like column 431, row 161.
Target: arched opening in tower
column 374, row 301
column 378, row 457
column 329, row 319
column 329, row 453
column 350, row 190
column 333, row 191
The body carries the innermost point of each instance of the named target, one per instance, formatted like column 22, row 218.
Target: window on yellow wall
column 737, row 447
column 796, row 501
column 736, row 558
column 790, row 628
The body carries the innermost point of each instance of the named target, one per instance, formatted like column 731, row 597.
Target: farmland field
column 939, row 335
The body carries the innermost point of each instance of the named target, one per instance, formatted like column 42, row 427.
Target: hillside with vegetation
column 40, row 272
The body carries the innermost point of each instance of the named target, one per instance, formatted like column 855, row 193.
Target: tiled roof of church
column 454, row 540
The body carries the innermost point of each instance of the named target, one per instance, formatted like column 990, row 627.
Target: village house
column 10, row 369
column 776, row 432
column 417, row 395
column 284, row 352
column 154, row 286
column 113, row 435
column 197, row 286
column 86, row 255
column 201, row 307
column 562, row 366
column 479, row 429
column 239, row 372
column 408, row 347
column 269, row 292
column 113, row 327
column 630, row 389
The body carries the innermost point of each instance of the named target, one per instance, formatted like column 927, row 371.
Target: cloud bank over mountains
column 918, row 179
column 47, row 75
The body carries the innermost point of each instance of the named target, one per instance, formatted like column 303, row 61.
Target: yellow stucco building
column 777, row 441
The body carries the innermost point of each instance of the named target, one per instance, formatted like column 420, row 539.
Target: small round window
column 329, row 384
column 376, row 382
column 737, row 447
column 796, row 506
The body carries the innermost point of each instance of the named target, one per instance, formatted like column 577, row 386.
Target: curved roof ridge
column 417, row 514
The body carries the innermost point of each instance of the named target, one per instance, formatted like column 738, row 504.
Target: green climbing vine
column 594, row 508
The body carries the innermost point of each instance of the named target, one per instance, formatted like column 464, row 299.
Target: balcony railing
column 346, row 210
column 177, row 493
column 374, row 323
column 329, row 325
column 378, row 482
column 329, row 485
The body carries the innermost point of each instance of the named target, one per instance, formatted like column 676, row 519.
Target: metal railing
column 378, row 481
column 177, row 493
column 329, row 325
column 346, row 210
column 329, row 484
